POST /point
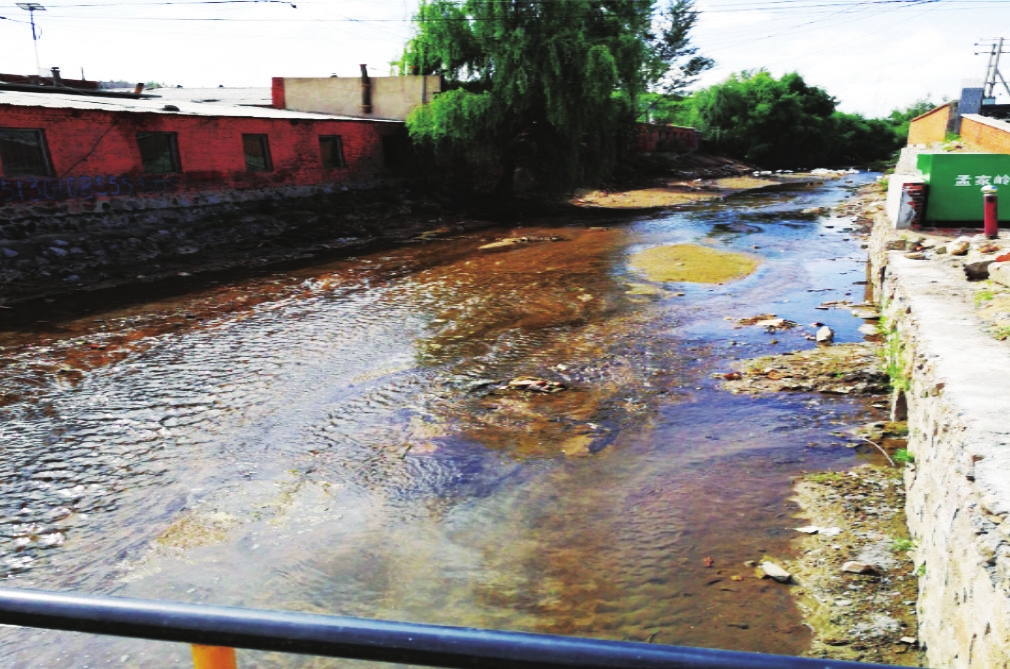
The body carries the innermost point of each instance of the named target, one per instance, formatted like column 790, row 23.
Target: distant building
column 934, row 185
column 661, row 137
column 388, row 98
column 981, row 123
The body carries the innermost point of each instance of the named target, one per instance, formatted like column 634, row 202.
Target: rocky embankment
column 55, row 249
column 946, row 318
column 48, row 249
column 852, row 570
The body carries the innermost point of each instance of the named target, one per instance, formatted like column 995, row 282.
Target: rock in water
column 825, row 335
column 533, row 384
column 866, row 313
column 773, row 571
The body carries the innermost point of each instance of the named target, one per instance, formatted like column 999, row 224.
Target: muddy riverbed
column 342, row 438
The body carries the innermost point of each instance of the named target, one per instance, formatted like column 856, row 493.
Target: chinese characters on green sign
column 982, row 180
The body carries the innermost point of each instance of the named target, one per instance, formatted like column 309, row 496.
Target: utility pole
column 31, row 8
column 992, row 73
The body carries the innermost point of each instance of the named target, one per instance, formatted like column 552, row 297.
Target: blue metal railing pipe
column 354, row 638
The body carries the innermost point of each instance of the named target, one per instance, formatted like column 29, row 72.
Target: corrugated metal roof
column 237, row 102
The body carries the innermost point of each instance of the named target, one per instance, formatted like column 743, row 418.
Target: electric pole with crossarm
column 992, row 73
column 31, row 8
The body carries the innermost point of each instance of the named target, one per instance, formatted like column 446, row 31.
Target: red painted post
column 991, row 217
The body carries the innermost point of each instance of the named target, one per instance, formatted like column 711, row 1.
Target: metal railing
column 215, row 631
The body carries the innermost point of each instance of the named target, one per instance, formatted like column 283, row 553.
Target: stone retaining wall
column 956, row 382
column 53, row 248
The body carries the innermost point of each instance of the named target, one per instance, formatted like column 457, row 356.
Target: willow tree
column 550, row 85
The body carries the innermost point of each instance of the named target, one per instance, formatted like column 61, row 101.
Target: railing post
column 213, row 657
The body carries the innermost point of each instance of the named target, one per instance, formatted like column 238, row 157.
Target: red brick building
column 652, row 137
column 64, row 147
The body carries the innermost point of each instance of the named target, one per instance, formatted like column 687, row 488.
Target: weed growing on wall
column 893, row 352
column 902, row 545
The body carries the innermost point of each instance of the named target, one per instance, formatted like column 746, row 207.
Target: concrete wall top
column 393, row 98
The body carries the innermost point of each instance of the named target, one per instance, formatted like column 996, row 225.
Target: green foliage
column 983, row 296
column 1002, row 333
column 902, row 545
column 921, row 571
column 550, row 86
column 893, row 353
column 902, row 455
column 856, row 140
column 674, row 109
column 767, row 121
column 784, row 122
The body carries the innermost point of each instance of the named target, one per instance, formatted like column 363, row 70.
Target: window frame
column 264, row 145
column 339, row 141
column 43, row 155
column 173, row 149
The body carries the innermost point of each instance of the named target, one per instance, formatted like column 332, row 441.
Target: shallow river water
column 336, row 439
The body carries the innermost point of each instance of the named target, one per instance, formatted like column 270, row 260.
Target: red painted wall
column 277, row 93
column 657, row 137
column 91, row 144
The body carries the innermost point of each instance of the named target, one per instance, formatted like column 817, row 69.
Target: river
column 336, row 438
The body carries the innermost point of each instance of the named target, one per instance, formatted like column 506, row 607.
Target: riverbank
column 851, row 568
column 950, row 366
column 51, row 251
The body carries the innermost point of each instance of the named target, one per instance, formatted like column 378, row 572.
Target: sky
column 871, row 55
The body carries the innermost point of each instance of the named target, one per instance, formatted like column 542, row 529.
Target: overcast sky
column 872, row 55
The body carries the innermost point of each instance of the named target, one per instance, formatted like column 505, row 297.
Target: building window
column 332, row 149
column 257, row 153
column 23, row 153
column 159, row 152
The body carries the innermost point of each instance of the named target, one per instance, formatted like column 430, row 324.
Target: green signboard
column 955, row 185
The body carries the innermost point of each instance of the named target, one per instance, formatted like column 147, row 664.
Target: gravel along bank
column 852, row 570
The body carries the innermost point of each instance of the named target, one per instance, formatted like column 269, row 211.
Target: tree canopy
column 783, row 122
column 547, row 85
